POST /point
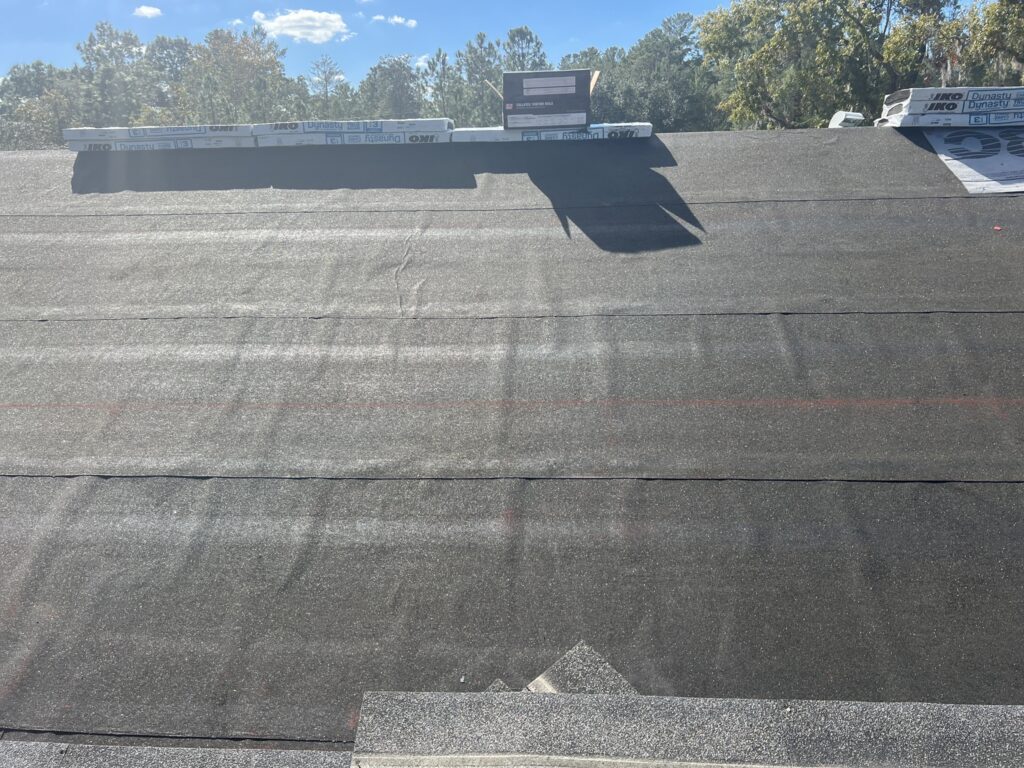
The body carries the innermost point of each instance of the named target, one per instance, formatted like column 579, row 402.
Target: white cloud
column 303, row 24
column 397, row 20
column 421, row 61
column 237, row 22
column 147, row 12
column 360, row 15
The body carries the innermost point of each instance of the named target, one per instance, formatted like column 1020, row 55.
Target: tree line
column 753, row 64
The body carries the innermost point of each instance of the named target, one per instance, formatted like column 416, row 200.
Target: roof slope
column 743, row 411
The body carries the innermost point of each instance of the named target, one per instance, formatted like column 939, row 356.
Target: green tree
column 792, row 63
column 237, row 78
column 523, row 51
column 331, row 94
column 993, row 45
column 112, row 76
column 606, row 102
column 25, row 81
column 478, row 64
column 165, row 62
column 662, row 80
column 441, row 86
column 37, row 101
column 391, row 89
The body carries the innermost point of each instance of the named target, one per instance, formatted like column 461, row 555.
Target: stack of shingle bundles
column 589, row 133
column 159, row 137
column 321, row 132
column 953, row 107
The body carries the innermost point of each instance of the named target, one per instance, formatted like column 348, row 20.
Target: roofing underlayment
column 744, row 411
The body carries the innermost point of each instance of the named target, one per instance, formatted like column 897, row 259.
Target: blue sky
column 345, row 29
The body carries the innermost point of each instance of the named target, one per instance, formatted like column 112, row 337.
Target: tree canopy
column 753, row 64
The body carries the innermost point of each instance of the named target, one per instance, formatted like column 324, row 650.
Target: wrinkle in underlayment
column 225, row 606
column 28, row 624
column 854, row 397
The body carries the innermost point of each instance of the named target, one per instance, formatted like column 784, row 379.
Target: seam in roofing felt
column 996, row 404
column 470, row 318
column 531, row 761
column 490, row 478
column 168, row 737
column 403, row 211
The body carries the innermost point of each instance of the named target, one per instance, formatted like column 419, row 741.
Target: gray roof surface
column 685, row 730
column 810, row 257
column 907, row 397
column 703, row 223
column 581, row 670
column 536, row 398
column 28, row 754
column 266, row 607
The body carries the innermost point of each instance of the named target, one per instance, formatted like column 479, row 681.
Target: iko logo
column 947, row 97
column 286, row 126
column 98, row 148
column 221, row 128
column 422, row 138
column 942, row 106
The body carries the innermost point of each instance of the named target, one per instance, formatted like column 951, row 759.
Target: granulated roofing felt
column 684, row 731
column 743, row 411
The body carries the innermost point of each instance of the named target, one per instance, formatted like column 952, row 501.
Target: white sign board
column 986, row 160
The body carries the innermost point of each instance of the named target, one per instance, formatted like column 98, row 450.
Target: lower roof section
column 30, row 754
column 855, row 397
column 234, row 608
column 508, row 730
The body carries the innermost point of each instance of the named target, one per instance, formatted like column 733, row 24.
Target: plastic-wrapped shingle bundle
column 953, row 108
column 587, row 133
column 321, row 132
column 159, row 137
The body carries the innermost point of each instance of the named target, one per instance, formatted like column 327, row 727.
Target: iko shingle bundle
column 329, row 132
column 586, row 133
column 321, row 132
column 159, row 137
column 953, row 107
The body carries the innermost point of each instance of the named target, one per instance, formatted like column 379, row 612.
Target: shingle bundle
column 589, row 133
column 953, row 107
column 319, row 132
column 296, row 133
column 159, row 137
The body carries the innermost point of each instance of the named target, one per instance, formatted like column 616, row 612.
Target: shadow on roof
column 608, row 190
